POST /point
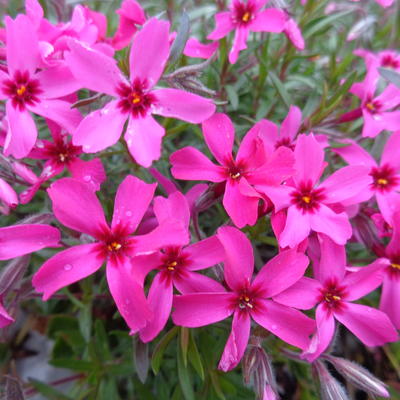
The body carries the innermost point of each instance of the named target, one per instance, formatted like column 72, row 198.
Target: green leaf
column 85, row 322
column 181, row 37
column 321, row 23
column 102, row 340
column 232, row 96
column 280, row 88
column 184, row 377
column 158, row 352
column 194, row 357
column 391, row 76
column 141, row 360
column 48, row 391
column 216, row 385
column 75, row 365
column 184, row 339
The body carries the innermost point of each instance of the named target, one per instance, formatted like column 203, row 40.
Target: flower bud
column 330, row 388
column 358, row 376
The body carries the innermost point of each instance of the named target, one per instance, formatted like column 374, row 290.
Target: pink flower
column 252, row 166
column 194, row 48
column 376, row 110
column 248, row 299
column 136, row 100
column 246, row 17
column 385, row 177
column 385, row 59
column 309, row 204
column 334, row 291
column 28, row 90
column 8, row 195
column 77, row 207
column 177, row 265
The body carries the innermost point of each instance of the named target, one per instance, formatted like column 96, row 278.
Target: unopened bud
column 358, row 376
column 12, row 273
column 330, row 388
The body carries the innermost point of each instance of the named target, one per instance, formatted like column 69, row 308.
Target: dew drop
column 274, row 327
column 68, row 267
column 127, row 301
column 128, row 213
column 129, row 142
column 87, row 178
column 86, row 147
column 39, row 144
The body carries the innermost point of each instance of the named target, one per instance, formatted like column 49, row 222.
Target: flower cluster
column 159, row 264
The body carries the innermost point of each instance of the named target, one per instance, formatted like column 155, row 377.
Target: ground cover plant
column 200, row 199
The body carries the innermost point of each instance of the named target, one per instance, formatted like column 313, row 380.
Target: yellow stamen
column 306, row 199
column 396, row 266
column 382, row 181
column 171, row 266
column 21, row 90
column 370, row 106
column 337, row 298
column 62, row 157
column 235, row 176
column 246, row 17
column 114, row 246
column 136, row 98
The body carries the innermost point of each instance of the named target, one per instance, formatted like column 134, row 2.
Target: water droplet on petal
column 128, row 213
column 274, row 327
column 127, row 301
column 68, row 267
column 129, row 142
column 87, row 178
column 86, row 147
column 39, row 144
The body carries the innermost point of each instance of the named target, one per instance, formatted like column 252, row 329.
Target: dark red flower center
column 306, row 198
column 373, row 106
column 243, row 13
column 285, row 142
column 394, row 267
column 62, row 152
column 234, row 170
column 135, row 99
column 389, row 61
column 384, row 177
column 245, row 302
column 22, row 90
column 332, row 294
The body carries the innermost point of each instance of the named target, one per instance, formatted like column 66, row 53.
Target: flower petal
column 175, row 207
column 200, row 309
column 182, row 105
column 390, row 299
column 291, row 124
column 131, row 202
column 150, row 51
column 192, row 282
column 270, row 20
column 205, row 253
column 67, row 267
column 297, row 227
column 390, row 155
column 239, row 262
column 223, row 25
column 143, row 138
column 332, row 263
column 100, row 129
column 91, row 172
column 237, row 341
column 239, row 43
column 18, row 240
column 75, row 205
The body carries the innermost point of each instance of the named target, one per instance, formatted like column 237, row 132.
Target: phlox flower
column 176, row 265
column 244, row 17
column 8, row 195
column 253, row 164
column 136, row 100
column 28, row 90
column 385, row 58
column 247, row 298
column 376, row 109
column 60, row 154
column 76, row 206
column 309, row 204
column 334, row 290
column 385, row 176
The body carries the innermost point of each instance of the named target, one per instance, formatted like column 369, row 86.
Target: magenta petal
column 390, row 299
column 67, row 267
column 356, row 155
column 17, row 240
column 332, row 263
column 323, row 337
column 190, row 164
column 224, row 25
column 22, row 44
column 288, row 324
column 5, row 318
column 239, row 43
column 100, row 129
column 182, row 105
column 7, row 194
column 291, row 124
column 270, row 20
column 219, row 135
column 58, row 111
column 143, row 138
column 75, row 205
column 91, row 172
column 297, row 227
column 206, row 253
column 279, row 273
column 57, row 82
column 237, row 341
column 142, row 265
column 22, row 132
column 390, row 155
column 309, row 157
column 346, row 183
column 239, row 261
column 241, row 208
column 371, row 326
column 304, row 294
column 336, row 226
column 149, row 52
column 194, row 48
column 128, row 296
column 175, row 207
column 131, row 202
column 200, row 309
column 94, row 70
column 364, row 281
column 192, row 282
column 160, row 302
